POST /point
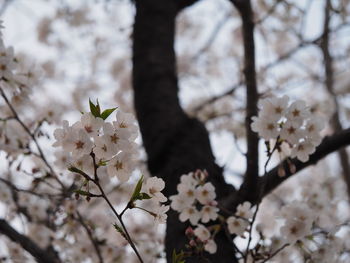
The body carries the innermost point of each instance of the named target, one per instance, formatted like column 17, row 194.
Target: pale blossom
column 153, row 187
column 294, row 230
column 84, row 163
column 312, row 129
column 60, row 134
column 5, row 194
column 244, row 210
column 267, row 128
column 206, row 193
column 125, row 124
column 103, row 149
column 209, row 213
column 7, row 66
column 302, row 151
column 297, row 112
column 179, row 203
column 291, row 132
column 161, row 215
column 274, row 108
column 236, row 225
column 202, row 233
column 210, row 246
column 188, row 179
column 79, row 144
column 120, row 166
column 40, row 234
column 114, row 138
column 187, row 191
column 190, row 213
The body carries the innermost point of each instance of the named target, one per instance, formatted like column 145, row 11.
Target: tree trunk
column 175, row 143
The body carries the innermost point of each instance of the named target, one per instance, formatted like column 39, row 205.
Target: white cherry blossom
column 291, row 132
column 153, row 187
column 297, row 112
column 210, row 246
column 274, row 108
column 206, row 193
column 202, row 233
column 91, row 124
column 236, row 225
column 187, row 192
column 126, row 126
column 161, row 215
column 179, row 203
column 303, row 150
column 267, row 128
column 120, row 166
column 209, row 213
column 191, row 214
column 244, row 210
column 103, row 149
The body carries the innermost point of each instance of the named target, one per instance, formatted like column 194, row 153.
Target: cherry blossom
column 153, row 187
column 236, row 225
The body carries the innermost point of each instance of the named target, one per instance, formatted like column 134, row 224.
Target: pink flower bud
column 189, row 231
column 193, row 243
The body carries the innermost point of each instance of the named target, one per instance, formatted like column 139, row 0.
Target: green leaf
column 120, row 230
column 106, row 113
column 137, row 190
column 143, row 196
column 81, row 192
column 102, row 163
column 98, row 108
column 75, row 170
column 178, row 258
column 94, row 109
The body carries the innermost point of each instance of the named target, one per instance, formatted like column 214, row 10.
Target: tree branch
column 181, row 4
column 272, row 179
column 329, row 84
column 39, row 254
column 252, row 172
column 329, row 145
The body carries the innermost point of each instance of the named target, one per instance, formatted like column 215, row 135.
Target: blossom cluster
column 298, row 222
column 193, row 192
column 153, row 188
column 195, row 202
column 111, row 143
column 15, row 74
column 201, row 237
column 292, row 123
column 239, row 223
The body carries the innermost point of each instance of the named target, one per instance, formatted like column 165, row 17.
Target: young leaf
column 94, row 109
column 75, row 170
column 98, row 108
column 120, row 230
column 137, row 190
column 178, row 258
column 143, row 196
column 81, row 192
column 107, row 112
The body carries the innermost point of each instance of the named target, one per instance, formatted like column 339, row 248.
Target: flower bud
column 281, row 172
column 189, row 232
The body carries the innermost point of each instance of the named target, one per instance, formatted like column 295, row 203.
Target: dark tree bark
column 175, row 143
column 40, row 255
